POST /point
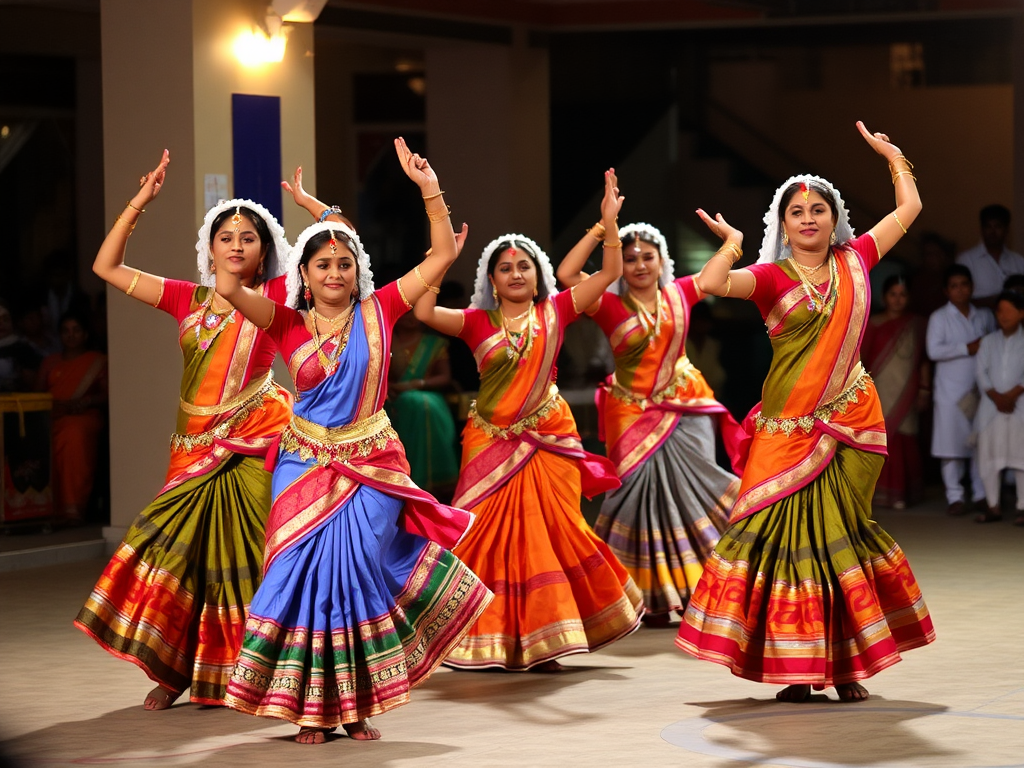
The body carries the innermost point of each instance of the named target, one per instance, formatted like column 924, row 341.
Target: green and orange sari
column 558, row 588
column 174, row 597
column 804, row 587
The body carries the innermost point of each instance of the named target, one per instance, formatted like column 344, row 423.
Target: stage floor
column 957, row 703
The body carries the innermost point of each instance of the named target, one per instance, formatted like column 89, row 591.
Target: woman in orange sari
column 893, row 353
column 558, row 588
column 77, row 379
column 804, row 588
column 658, row 417
column 174, row 597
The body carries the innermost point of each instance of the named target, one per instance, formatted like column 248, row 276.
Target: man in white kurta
column 990, row 261
column 952, row 340
column 1000, row 366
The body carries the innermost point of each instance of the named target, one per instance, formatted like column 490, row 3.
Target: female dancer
column 893, row 353
column 656, row 418
column 173, row 598
column 559, row 589
column 361, row 599
column 804, row 587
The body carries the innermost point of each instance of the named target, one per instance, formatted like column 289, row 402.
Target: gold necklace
column 518, row 317
column 334, row 322
column 329, row 363
column 816, row 300
column 808, row 270
column 520, row 343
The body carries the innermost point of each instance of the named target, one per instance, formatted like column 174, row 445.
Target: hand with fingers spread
column 721, row 228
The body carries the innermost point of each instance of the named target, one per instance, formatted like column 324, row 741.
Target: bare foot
column 362, row 731
column 795, row 694
column 160, row 698
column 309, row 735
column 852, row 692
column 548, row 667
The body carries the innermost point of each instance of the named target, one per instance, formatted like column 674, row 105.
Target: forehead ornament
column 805, row 191
column 334, row 245
column 512, row 252
column 237, row 219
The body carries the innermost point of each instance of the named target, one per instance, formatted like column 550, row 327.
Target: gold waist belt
column 823, row 413
column 516, row 428
column 329, row 444
column 684, row 373
column 243, row 407
column 254, row 390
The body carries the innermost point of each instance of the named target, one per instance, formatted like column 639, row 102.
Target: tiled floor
column 956, row 703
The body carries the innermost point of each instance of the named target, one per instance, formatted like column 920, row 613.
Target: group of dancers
column 290, row 568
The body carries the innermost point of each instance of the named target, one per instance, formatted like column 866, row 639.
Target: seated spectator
column 990, row 261
column 77, row 379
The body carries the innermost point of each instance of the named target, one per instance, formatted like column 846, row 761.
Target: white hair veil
column 482, row 297
column 277, row 248
column 650, row 234
column 772, row 248
column 294, row 277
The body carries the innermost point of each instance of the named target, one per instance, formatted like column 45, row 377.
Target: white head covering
column 771, row 247
column 277, row 249
column 650, row 234
column 483, row 298
column 294, row 277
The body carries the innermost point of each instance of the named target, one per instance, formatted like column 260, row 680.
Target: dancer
column 558, row 588
column 804, row 587
column 361, row 599
column 656, row 417
column 893, row 353
column 173, row 598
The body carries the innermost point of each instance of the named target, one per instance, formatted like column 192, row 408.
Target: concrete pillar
column 168, row 75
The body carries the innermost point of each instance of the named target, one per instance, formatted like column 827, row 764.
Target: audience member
column 990, row 261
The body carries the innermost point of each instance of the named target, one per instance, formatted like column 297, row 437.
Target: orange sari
column 558, row 588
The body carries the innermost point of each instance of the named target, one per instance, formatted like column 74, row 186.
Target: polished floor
column 957, row 703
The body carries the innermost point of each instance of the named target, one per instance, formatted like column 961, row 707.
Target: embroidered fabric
column 482, row 296
column 822, row 413
column 277, row 250
column 294, row 277
column 516, row 428
column 772, row 248
column 326, row 444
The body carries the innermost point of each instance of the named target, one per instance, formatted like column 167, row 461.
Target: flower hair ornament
column 483, row 297
column 772, row 247
column 277, row 248
column 649, row 234
column 340, row 235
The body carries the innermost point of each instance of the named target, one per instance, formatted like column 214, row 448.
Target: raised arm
column 570, row 271
column 316, row 209
column 908, row 202
column 589, row 290
column 258, row 310
column 717, row 276
column 109, row 262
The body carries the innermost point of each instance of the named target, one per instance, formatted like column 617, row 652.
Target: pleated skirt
column 665, row 520
column 558, row 589
column 173, row 598
column 811, row 589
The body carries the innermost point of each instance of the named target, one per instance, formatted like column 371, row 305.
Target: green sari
column 422, row 419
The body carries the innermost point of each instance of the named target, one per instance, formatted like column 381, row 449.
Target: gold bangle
column 129, row 225
column 436, row 217
column 129, row 204
column 401, row 293
column 616, row 244
column 431, row 197
column 725, row 256
column 728, row 285
column 735, row 249
column 273, row 314
column 424, row 283
column 599, row 233
column 753, row 287
column 901, row 173
column 135, row 281
column 899, row 222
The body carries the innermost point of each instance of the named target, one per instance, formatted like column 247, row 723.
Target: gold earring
column 785, row 239
column 494, row 292
column 832, row 238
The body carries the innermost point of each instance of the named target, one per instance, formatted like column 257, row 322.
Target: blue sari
column 361, row 599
